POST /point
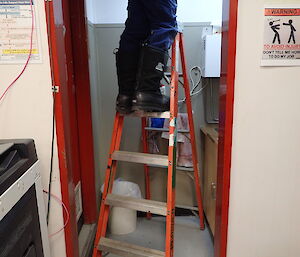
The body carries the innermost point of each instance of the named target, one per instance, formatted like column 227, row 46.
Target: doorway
column 201, row 30
column 209, row 114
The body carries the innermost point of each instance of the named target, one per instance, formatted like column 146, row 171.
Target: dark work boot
column 127, row 66
column 148, row 97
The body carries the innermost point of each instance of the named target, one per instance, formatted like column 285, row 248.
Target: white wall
column 114, row 11
column 200, row 11
column 26, row 112
column 265, row 192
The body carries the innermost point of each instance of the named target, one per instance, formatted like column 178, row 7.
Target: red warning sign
column 282, row 12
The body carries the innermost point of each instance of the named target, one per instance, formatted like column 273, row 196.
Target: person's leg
column 137, row 29
column 154, row 55
column 162, row 17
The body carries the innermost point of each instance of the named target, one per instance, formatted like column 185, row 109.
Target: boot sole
column 124, row 110
column 149, row 108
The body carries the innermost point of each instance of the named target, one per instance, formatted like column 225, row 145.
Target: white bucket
column 123, row 221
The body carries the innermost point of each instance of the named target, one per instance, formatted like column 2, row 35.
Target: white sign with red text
column 282, row 36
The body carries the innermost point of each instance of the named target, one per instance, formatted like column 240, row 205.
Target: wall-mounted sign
column 282, row 36
column 15, row 32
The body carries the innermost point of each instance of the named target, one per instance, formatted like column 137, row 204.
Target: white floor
column 190, row 241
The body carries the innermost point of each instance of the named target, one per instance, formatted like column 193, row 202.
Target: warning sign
column 282, row 36
column 15, row 32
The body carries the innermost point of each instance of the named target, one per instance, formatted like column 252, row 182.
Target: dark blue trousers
column 149, row 21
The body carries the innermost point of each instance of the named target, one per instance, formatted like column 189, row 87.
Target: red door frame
column 83, row 104
column 62, row 22
column 60, row 79
column 72, row 111
column 230, row 14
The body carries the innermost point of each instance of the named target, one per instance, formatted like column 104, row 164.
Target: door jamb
column 63, row 65
column 229, row 40
column 230, row 12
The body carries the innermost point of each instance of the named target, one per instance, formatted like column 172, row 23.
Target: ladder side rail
column 116, row 148
column 112, row 177
column 117, row 120
column 192, row 131
column 146, row 167
column 172, row 152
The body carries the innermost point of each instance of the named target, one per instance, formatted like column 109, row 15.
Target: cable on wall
column 53, row 112
column 195, row 85
column 29, row 54
column 51, row 161
column 65, row 209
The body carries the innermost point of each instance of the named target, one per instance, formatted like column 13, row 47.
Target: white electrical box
column 212, row 56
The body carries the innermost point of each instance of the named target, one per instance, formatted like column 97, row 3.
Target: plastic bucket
column 123, row 221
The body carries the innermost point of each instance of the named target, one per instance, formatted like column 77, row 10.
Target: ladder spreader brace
column 103, row 244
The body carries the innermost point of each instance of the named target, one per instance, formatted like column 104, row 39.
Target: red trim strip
column 230, row 13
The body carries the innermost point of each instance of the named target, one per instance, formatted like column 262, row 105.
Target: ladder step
column 144, row 158
column 164, row 115
column 143, row 205
column 127, row 250
column 180, row 168
column 192, row 208
column 189, row 169
column 165, row 130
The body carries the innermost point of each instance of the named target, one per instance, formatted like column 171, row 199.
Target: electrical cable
column 53, row 113
column 194, row 85
column 29, row 54
column 51, row 161
column 65, row 208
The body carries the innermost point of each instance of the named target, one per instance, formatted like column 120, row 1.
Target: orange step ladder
column 106, row 245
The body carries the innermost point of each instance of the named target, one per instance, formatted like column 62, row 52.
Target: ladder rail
column 170, row 223
column 115, row 144
column 113, row 175
column 146, row 167
column 192, row 130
